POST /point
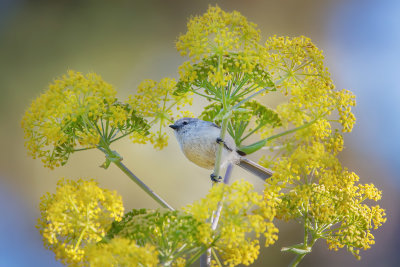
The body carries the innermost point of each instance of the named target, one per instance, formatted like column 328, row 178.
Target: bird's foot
column 219, row 141
column 215, row 179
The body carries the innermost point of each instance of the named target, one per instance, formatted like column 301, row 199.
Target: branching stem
column 218, row 156
column 117, row 161
column 142, row 185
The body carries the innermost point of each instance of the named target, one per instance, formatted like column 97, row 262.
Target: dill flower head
column 121, row 252
column 309, row 181
column 243, row 212
column 156, row 102
column 76, row 112
column 78, row 214
column 238, row 73
column 175, row 235
column 311, row 98
column 217, row 31
column 299, row 65
column 316, row 190
column 225, row 54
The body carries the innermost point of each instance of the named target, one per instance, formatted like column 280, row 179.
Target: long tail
column 255, row 168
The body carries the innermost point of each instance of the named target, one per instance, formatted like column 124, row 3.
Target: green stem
column 215, row 219
column 205, row 259
column 239, row 86
column 259, row 144
column 250, row 97
column 82, row 149
column 197, row 256
column 80, row 238
column 218, row 155
column 114, row 157
column 253, row 131
column 297, row 260
column 142, row 185
column 205, row 96
column 119, row 137
column 247, row 90
column 299, row 257
column 216, row 257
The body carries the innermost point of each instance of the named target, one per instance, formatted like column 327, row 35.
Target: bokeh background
column 128, row 41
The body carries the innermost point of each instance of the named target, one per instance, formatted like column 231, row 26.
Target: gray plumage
column 198, row 141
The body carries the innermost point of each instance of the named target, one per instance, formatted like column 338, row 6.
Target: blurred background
column 128, row 41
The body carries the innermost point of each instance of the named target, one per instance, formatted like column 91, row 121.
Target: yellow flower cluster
column 157, row 102
column 294, row 58
column 78, row 214
column 238, row 73
column 47, row 123
column 298, row 64
column 217, row 32
column 77, row 111
column 225, row 52
column 177, row 236
column 122, row 252
column 315, row 189
column 243, row 212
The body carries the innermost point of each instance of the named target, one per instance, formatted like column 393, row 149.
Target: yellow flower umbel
column 78, row 214
column 315, row 190
column 243, row 212
column 298, row 64
column 229, row 67
column 177, row 237
column 77, row 112
column 217, row 32
column 156, row 102
column 225, row 57
column 121, row 252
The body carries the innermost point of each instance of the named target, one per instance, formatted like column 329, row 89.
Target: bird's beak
column 173, row 126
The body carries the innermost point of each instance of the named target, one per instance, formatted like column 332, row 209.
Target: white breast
column 200, row 146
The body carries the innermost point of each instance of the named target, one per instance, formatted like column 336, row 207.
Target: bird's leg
column 219, row 141
column 215, row 179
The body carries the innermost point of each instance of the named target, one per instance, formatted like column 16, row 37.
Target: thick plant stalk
column 220, row 204
column 112, row 156
column 205, row 259
column 297, row 260
column 142, row 185
column 218, row 156
column 299, row 257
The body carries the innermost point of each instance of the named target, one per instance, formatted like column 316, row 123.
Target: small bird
column 199, row 141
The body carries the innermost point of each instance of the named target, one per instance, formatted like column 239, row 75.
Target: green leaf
column 111, row 156
column 253, row 147
column 106, row 164
column 259, row 144
column 210, row 112
column 264, row 116
column 182, row 88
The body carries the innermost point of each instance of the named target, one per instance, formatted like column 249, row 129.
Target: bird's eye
column 185, row 122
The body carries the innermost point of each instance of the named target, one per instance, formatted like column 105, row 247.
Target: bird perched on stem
column 199, row 142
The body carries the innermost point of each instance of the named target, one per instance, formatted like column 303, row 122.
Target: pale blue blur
column 366, row 34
